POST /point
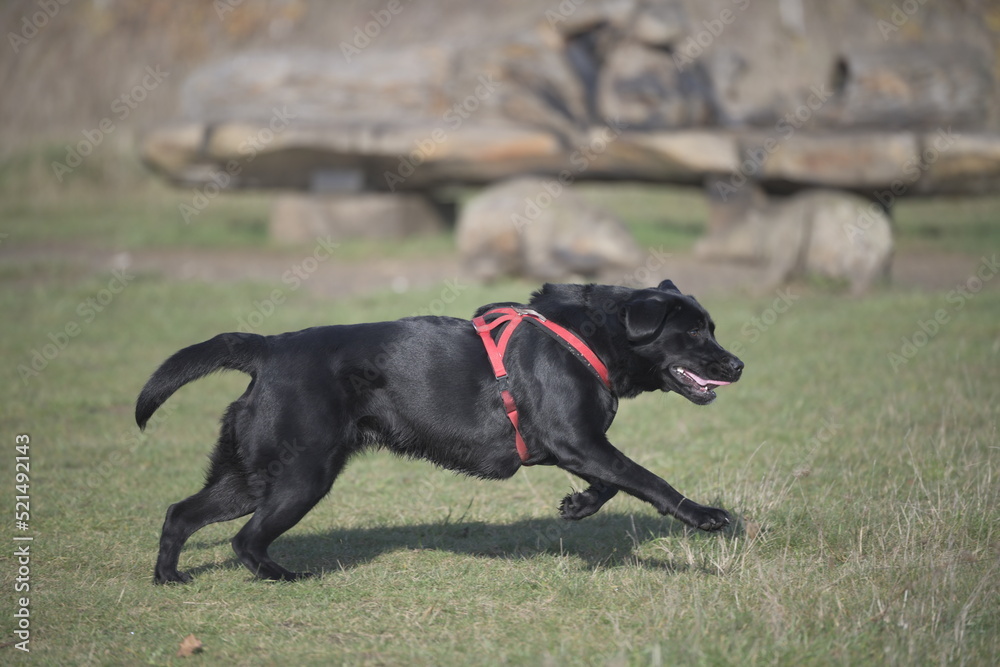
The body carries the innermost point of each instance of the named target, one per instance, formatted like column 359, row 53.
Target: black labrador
column 424, row 387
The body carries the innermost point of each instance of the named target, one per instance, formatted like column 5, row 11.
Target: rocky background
column 752, row 101
column 763, row 63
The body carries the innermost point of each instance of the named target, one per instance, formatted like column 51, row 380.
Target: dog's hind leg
column 294, row 492
column 226, row 496
column 222, row 499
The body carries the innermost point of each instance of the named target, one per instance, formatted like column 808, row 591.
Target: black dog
column 424, row 387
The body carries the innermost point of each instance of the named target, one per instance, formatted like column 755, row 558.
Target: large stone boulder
column 303, row 218
column 913, row 85
column 650, row 90
column 682, row 156
column 643, row 88
column 818, row 233
column 849, row 160
column 541, row 229
column 966, row 163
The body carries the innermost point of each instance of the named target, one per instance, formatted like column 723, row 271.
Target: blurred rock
column 648, row 90
column 847, row 160
column 540, row 229
column 303, row 218
column 913, row 86
column 531, row 84
column 829, row 234
column 643, row 88
column 659, row 24
column 386, row 158
column 320, row 86
column 173, row 150
column 729, row 206
column 959, row 163
column 578, row 17
column 684, row 156
column 850, row 238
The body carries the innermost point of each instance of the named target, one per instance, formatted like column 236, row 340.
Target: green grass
column 867, row 496
column 970, row 225
column 151, row 218
column 672, row 218
column 868, row 500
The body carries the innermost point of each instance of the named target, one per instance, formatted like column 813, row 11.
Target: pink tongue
column 703, row 382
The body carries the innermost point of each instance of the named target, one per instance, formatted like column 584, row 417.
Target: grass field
column 140, row 213
column 867, row 488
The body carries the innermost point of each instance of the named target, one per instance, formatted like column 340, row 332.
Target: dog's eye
column 694, row 333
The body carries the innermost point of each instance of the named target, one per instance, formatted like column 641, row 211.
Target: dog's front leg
column 604, row 464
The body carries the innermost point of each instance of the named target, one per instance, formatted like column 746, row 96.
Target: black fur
column 423, row 387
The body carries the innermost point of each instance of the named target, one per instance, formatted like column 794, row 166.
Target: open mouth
column 698, row 385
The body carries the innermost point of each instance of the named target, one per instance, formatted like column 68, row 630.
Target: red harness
column 509, row 319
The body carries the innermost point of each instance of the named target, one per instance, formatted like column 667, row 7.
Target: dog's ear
column 644, row 317
column 668, row 286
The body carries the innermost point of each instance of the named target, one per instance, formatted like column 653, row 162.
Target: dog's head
column 672, row 332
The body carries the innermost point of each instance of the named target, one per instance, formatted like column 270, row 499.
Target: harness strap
column 509, row 319
column 573, row 343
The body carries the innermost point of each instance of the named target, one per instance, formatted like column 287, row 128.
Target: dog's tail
column 236, row 351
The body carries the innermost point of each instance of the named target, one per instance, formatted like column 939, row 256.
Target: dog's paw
column 171, row 577
column 570, row 506
column 706, row 518
column 575, row 506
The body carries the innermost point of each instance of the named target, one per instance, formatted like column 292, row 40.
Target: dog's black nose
column 736, row 365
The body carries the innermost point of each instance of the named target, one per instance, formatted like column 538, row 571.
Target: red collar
column 509, row 319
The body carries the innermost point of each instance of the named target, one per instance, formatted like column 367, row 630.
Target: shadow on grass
column 608, row 540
